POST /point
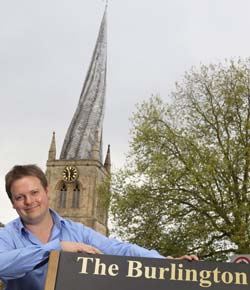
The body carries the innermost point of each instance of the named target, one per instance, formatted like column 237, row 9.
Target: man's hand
column 79, row 247
column 185, row 257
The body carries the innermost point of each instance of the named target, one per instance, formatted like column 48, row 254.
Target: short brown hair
column 19, row 171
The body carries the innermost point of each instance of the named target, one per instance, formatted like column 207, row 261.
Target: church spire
column 88, row 118
column 95, row 154
column 52, row 149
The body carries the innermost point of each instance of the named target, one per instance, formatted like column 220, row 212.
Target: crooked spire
column 81, row 136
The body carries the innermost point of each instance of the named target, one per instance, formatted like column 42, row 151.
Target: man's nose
column 28, row 199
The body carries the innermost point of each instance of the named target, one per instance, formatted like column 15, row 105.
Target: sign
column 78, row 271
column 242, row 259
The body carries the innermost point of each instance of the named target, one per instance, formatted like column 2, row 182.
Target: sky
column 45, row 51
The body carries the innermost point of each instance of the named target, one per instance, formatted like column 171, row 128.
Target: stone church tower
column 75, row 176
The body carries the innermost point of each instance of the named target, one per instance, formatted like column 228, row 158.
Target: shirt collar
column 19, row 225
column 58, row 220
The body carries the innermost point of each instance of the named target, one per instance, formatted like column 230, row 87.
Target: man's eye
column 34, row 192
column 18, row 198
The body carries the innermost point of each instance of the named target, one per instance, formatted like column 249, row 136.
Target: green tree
column 185, row 187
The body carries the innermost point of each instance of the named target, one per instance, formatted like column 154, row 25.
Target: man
column 25, row 243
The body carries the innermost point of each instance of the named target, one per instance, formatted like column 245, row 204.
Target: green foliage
column 185, row 187
column 104, row 194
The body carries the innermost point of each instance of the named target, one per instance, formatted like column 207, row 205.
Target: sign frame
column 52, row 270
column 68, row 270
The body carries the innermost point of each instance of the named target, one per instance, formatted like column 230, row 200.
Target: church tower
column 76, row 175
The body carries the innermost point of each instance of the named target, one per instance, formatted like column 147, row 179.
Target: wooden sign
column 78, row 271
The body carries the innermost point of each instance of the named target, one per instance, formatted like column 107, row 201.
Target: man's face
column 30, row 199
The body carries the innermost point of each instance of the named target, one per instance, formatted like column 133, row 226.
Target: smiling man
column 25, row 243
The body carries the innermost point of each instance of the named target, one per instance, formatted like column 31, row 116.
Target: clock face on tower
column 70, row 173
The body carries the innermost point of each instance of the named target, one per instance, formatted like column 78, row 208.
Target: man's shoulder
column 10, row 231
column 73, row 224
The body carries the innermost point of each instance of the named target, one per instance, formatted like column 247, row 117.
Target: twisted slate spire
column 85, row 130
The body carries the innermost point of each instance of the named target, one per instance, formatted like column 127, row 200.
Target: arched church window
column 63, row 196
column 76, row 197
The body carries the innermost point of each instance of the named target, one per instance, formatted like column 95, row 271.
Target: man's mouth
column 28, row 209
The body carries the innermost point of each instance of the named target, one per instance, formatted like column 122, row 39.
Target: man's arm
column 15, row 263
column 114, row 247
